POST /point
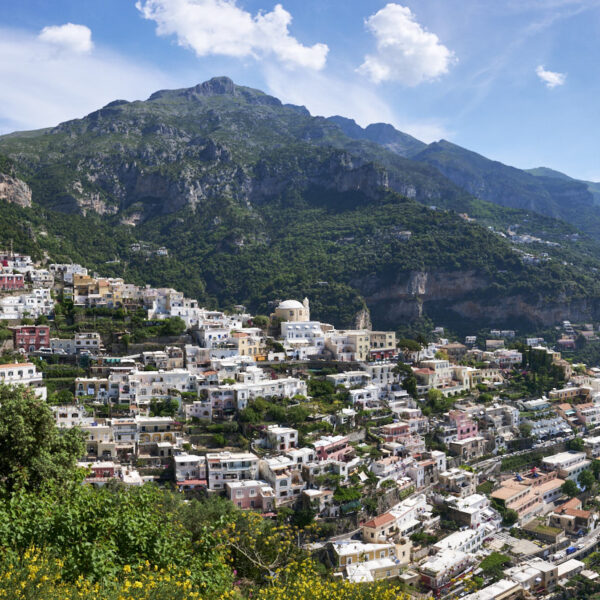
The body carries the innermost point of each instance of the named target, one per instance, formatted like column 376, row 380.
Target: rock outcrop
column 14, row 190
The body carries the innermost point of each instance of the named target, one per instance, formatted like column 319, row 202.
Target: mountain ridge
column 257, row 200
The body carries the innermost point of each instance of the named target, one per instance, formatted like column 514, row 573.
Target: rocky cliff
column 14, row 190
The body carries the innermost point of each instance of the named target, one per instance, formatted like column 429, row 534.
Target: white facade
column 23, row 374
column 350, row 379
column 189, row 466
column 70, row 415
column 230, row 466
column 303, row 332
column 38, row 302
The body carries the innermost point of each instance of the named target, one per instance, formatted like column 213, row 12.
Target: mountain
column 185, row 147
column 593, row 187
column 540, row 190
column 381, row 133
column 565, row 199
column 255, row 201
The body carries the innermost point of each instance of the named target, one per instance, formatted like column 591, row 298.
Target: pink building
column 251, row 494
column 30, row 338
column 332, row 447
column 393, row 431
column 10, row 281
column 465, row 427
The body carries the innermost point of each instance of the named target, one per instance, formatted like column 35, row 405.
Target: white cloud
column 68, row 37
column 552, row 79
column 49, row 87
column 222, row 27
column 406, row 52
column 328, row 95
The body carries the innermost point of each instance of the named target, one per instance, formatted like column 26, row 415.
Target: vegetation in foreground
column 60, row 538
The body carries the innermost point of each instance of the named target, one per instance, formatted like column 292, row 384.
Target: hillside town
column 458, row 468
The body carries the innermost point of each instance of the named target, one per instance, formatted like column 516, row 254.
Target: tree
column 525, row 429
column 409, row 380
column 510, row 517
column 173, row 326
column 408, row 344
column 586, row 479
column 260, row 321
column 569, row 487
column 64, row 397
column 575, row 444
column 493, row 565
column 34, row 450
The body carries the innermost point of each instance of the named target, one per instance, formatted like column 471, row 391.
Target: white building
column 62, row 345
column 438, row 570
column 23, row 374
column 284, row 476
column 365, row 396
column 350, row 379
column 90, row 342
column 281, row 438
column 303, row 332
column 199, row 409
column 568, row 464
column 467, row 540
column 224, row 467
column 189, row 467
column 70, row 415
column 38, row 302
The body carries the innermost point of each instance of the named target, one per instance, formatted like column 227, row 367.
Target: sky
column 515, row 80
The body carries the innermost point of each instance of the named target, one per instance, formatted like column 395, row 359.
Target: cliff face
column 465, row 296
column 217, row 140
column 14, row 191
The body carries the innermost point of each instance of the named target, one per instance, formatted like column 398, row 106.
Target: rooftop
column 380, row 520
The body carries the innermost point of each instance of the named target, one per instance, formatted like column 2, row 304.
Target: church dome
column 290, row 304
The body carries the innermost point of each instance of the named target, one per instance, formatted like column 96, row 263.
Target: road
column 589, row 541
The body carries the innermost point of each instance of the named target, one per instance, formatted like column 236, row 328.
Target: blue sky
column 516, row 80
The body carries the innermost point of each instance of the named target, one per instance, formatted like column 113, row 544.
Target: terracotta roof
column 573, row 504
column 13, row 365
column 379, row 521
column 505, row 492
column 573, row 512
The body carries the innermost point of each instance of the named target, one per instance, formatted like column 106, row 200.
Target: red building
column 31, row 337
column 11, row 281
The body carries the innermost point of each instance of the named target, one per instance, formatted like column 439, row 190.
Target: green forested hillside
column 256, row 201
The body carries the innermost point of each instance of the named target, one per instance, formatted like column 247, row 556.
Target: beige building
column 292, row 310
column 520, row 498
